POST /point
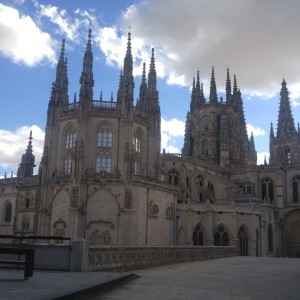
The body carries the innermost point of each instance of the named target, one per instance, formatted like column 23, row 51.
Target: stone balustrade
column 101, row 258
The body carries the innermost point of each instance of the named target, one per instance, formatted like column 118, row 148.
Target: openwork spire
column 228, row 87
column 61, row 80
column 86, row 80
column 152, row 76
column 213, row 98
column 286, row 127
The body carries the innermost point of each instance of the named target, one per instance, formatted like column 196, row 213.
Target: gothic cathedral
column 103, row 177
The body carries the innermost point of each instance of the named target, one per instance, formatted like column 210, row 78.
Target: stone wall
column 101, row 258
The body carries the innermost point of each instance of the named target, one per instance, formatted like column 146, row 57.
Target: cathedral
column 104, row 178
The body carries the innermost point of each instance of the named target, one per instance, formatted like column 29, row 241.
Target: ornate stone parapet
column 113, row 257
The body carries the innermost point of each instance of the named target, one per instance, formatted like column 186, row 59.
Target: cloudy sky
column 257, row 40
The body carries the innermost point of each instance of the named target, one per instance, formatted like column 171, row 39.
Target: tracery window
column 200, row 188
column 173, row 177
column 104, row 137
column 221, row 236
column 7, row 212
column 137, row 142
column 267, row 190
column 103, row 162
column 70, row 138
column 197, row 236
column 68, row 165
column 296, row 189
column 137, row 168
column 243, row 241
column 287, row 155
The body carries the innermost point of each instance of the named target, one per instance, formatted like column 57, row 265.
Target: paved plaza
column 226, row 278
column 235, row 278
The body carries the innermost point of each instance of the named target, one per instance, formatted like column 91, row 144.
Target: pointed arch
column 104, row 135
column 198, row 235
column 7, row 211
column 221, row 237
column 137, row 140
column 70, row 136
column 267, row 190
column 243, row 238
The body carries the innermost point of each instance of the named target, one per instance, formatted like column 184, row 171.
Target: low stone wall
column 46, row 257
column 101, row 258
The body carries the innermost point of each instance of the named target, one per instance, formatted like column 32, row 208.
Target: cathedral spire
column 86, row 79
column 271, row 131
column 193, row 101
column 61, row 81
column 27, row 162
column 126, row 87
column 197, row 89
column 152, row 76
column 286, row 127
column 228, row 87
column 213, row 98
column 141, row 105
column 187, row 147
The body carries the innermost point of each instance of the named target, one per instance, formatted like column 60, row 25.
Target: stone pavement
column 238, row 278
column 58, row 285
column 235, row 278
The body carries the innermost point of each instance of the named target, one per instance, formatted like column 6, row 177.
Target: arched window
column 103, row 163
column 210, row 192
column 137, row 141
column 267, row 190
column 104, row 137
column 200, row 188
column 270, row 238
column 221, row 236
column 248, row 185
column 295, row 189
column 287, row 155
column 197, row 236
column 7, row 212
column 68, row 165
column 173, row 177
column 243, row 241
column 70, row 138
column 137, row 168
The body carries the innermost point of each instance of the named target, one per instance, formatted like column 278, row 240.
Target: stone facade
column 102, row 177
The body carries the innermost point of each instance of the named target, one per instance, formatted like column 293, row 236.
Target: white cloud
column 261, row 157
column 14, row 144
column 257, row 39
column 59, row 18
column 255, row 130
column 21, row 39
column 171, row 129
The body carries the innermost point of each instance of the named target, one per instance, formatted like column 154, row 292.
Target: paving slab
column 48, row 285
column 238, row 278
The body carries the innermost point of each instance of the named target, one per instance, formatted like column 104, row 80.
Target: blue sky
column 256, row 39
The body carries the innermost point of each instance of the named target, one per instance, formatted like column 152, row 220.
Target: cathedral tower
column 285, row 145
column 216, row 131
